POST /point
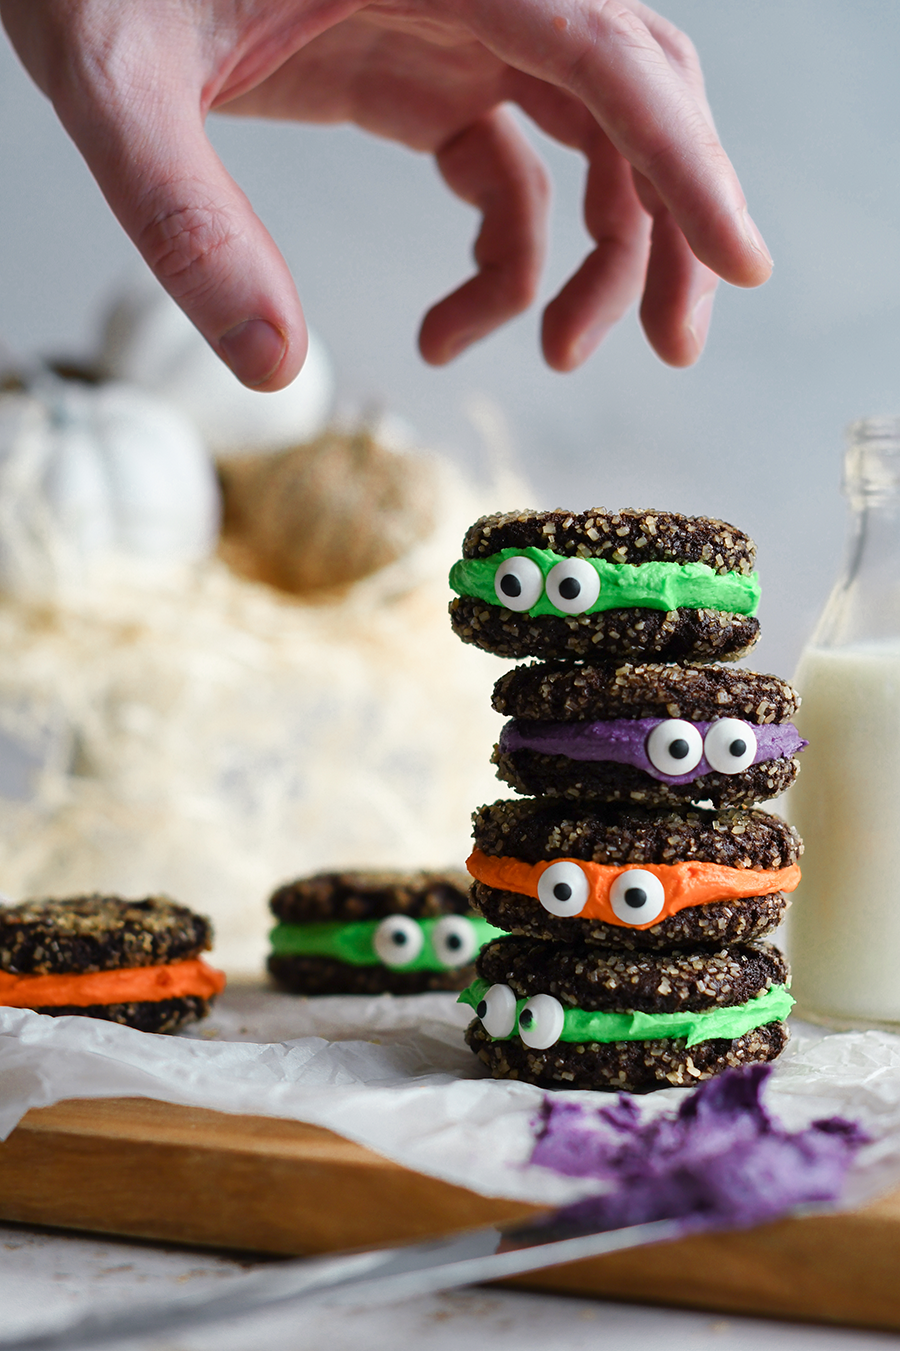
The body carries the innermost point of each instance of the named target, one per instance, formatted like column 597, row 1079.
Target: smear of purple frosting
column 719, row 1161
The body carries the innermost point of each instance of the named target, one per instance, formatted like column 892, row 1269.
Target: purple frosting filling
column 720, row 1161
column 624, row 741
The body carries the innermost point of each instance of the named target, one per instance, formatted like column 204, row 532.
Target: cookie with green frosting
column 568, row 1016
column 649, row 734
column 603, row 585
column 375, row 932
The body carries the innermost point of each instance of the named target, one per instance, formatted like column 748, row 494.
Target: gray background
column 806, row 96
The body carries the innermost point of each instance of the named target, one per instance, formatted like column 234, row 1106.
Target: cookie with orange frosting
column 633, row 879
column 650, row 734
column 136, row 962
column 605, row 584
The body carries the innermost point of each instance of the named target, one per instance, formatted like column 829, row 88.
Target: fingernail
column 253, row 350
column 753, row 237
column 699, row 320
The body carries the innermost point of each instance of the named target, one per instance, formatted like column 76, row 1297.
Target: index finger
column 604, row 53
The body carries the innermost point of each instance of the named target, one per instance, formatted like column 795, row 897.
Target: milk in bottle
column 844, row 928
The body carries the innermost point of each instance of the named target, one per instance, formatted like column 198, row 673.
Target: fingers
column 146, row 145
column 678, row 295
column 491, row 166
column 648, row 99
column 611, row 278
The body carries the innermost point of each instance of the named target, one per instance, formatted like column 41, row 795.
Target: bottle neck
column 864, row 606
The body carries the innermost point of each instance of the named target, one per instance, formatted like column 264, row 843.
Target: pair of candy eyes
column 636, row 896
column 398, row 941
column 540, row 1021
column 676, row 747
column 571, row 585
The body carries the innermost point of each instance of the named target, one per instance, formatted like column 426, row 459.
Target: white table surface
column 48, row 1278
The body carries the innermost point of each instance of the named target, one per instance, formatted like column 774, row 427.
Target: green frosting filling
column 579, row 1025
column 650, row 586
column 353, row 943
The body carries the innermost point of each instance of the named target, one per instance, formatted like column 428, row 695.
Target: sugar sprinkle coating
column 352, row 896
column 721, row 924
column 540, row 775
column 664, row 635
column 546, row 828
column 47, row 936
column 569, row 692
column 627, row 536
column 593, row 978
column 625, row 1066
column 323, row 975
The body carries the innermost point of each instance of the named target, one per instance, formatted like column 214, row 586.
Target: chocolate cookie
column 375, row 933
column 564, row 1015
column 606, row 584
column 650, row 734
column 98, row 933
column 352, row 896
column 743, row 919
column 135, row 962
column 542, row 828
column 626, row 878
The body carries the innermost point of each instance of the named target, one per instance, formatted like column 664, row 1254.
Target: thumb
column 197, row 231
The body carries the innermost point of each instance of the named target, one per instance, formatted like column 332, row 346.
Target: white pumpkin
column 91, row 474
column 148, row 341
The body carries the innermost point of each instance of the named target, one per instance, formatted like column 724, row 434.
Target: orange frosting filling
column 133, row 984
column 685, row 884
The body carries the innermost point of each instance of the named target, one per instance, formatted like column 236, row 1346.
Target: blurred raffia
column 194, row 732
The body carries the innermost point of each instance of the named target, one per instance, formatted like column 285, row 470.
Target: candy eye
column 563, row 889
column 674, row 746
column 518, row 583
column 637, row 897
column 730, row 745
column 541, row 1022
column 573, row 586
column 454, row 941
column 497, row 1011
column 398, row 940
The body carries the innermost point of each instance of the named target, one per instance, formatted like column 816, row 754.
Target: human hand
column 133, row 83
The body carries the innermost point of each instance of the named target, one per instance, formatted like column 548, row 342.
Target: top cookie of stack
column 651, row 585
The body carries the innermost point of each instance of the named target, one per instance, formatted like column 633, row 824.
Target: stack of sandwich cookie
column 639, row 881
column 135, row 962
column 376, row 933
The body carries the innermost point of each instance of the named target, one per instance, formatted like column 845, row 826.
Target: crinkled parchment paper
column 395, row 1074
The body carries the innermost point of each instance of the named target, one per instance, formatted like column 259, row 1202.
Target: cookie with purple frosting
column 649, row 734
column 604, row 585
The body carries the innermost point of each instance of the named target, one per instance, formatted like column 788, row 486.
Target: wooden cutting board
column 152, row 1170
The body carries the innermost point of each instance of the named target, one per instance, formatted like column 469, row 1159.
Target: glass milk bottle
column 844, row 927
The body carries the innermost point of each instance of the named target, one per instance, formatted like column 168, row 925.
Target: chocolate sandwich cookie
column 649, row 734
column 135, row 962
column 568, row 1016
column 600, row 584
column 375, row 933
column 631, row 878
